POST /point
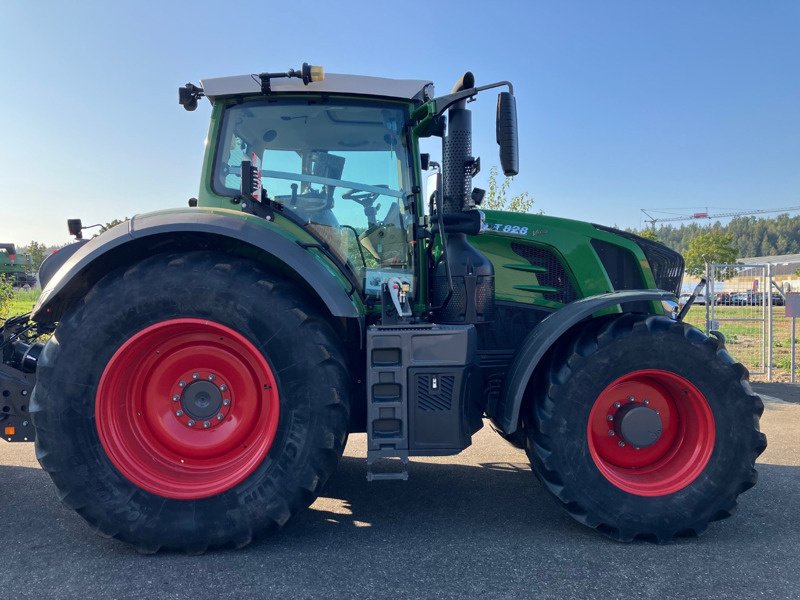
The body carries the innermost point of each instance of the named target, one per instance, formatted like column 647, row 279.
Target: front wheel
column 191, row 401
column 647, row 429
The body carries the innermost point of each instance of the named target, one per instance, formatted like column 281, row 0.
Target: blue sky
column 622, row 105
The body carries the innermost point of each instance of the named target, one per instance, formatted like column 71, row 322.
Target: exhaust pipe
column 472, row 300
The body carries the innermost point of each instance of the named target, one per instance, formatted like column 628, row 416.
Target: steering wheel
column 366, row 199
column 363, row 198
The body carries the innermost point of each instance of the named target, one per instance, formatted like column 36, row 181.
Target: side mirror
column 507, row 137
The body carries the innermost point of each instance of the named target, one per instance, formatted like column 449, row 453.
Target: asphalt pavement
column 473, row 525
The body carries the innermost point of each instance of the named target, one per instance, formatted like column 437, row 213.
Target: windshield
column 340, row 167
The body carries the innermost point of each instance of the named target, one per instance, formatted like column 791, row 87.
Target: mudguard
column 180, row 229
column 505, row 414
column 56, row 260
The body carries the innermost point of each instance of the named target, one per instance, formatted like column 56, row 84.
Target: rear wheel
column 191, row 401
column 647, row 429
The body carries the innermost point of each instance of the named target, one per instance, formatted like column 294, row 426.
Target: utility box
column 793, row 304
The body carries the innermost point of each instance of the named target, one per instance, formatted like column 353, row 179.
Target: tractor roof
column 334, row 83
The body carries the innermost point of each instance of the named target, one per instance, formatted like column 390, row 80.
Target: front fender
column 505, row 414
column 233, row 232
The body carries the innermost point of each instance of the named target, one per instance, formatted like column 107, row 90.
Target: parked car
column 743, row 299
column 722, row 299
column 700, row 299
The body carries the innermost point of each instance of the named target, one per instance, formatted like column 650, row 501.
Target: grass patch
column 21, row 302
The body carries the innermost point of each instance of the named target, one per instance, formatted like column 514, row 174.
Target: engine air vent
column 550, row 275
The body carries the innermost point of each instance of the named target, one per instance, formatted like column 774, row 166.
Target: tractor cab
column 334, row 154
column 341, row 168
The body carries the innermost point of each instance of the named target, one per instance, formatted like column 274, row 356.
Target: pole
column 709, row 286
column 792, row 346
column 768, row 299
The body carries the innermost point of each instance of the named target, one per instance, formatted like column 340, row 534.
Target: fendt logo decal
column 514, row 229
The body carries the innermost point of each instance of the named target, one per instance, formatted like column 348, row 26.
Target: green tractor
column 16, row 268
column 207, row 364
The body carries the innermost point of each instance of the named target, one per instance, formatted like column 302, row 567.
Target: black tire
column 581, row 369
column 291, row 333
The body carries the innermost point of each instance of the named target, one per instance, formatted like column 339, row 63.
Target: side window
column 234, row 154
column 287, row 161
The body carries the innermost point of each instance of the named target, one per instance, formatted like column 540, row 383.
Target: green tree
column 38, row 252
column 497, row 196
column 707, row 247
column 752, row 236
column 111, row 224
column 649, row 234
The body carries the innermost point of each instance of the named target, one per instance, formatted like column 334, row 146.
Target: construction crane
column 705, row 215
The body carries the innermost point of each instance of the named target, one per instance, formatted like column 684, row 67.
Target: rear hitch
column 18, row 346
column 19, row 352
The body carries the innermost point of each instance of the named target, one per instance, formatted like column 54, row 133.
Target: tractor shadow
column 503, row 503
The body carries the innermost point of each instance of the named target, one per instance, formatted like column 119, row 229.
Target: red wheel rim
column 187, row 408
column 681, row 452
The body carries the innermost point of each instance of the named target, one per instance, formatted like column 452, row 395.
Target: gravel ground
column 472, row 525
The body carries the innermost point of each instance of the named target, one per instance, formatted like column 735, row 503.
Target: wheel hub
column 638, row 425
column 201, row 400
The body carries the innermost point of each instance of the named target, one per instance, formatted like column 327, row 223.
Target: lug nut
column 621, row 443
column 195, row 375
column 181, row 383
column 631, row 398
column 212, row 377
column 175, row 398
column 220, row 416
column 611, row 432
column 226, row 402
column 206, row 424
column 646, row 402
column 617, row 404
column 223, row 387
column 190, row 423
column 178, row 413
column 609, row 418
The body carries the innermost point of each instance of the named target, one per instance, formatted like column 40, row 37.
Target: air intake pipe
column 472, row 298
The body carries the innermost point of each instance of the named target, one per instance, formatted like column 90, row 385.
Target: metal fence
column 739, row 303
column 754, row 312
